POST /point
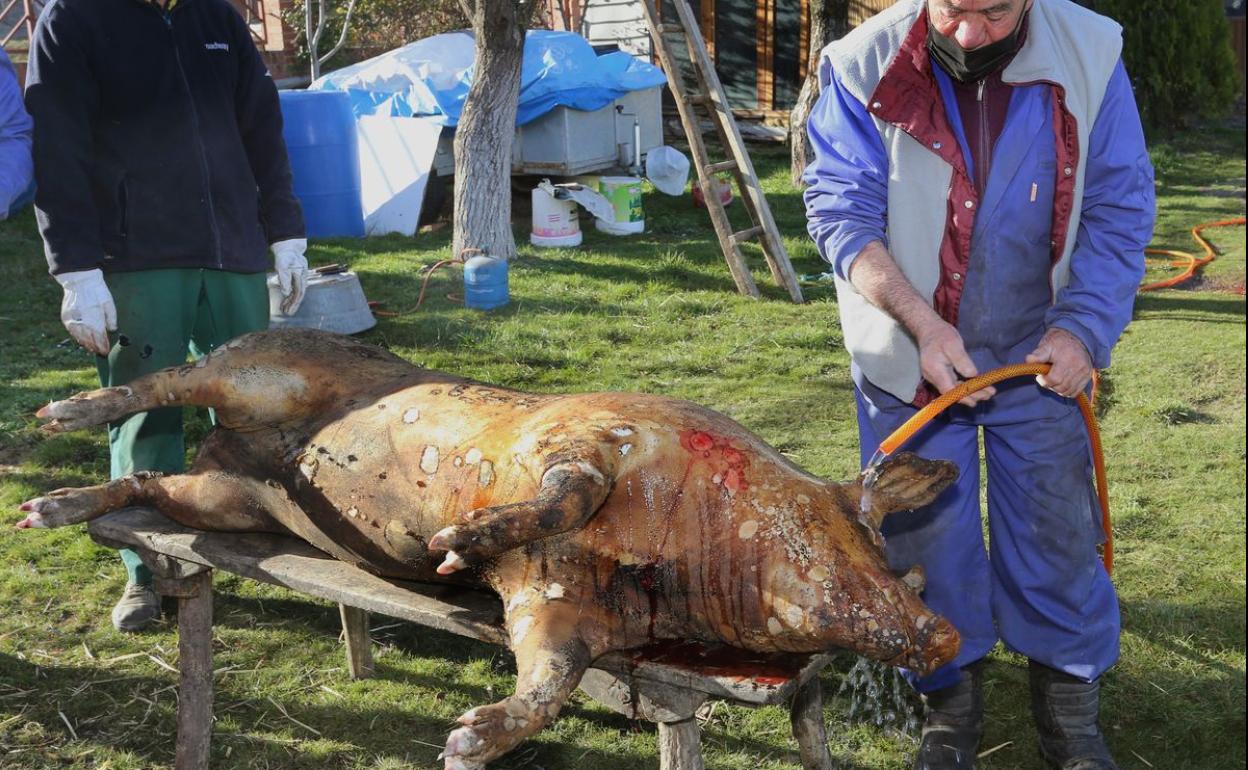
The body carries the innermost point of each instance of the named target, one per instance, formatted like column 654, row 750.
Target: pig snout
column 931, row 640
column 936, row 642
column 920, row 640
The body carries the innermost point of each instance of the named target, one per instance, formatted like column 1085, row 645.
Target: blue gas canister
column 485, row 282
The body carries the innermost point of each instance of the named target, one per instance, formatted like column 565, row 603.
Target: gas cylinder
column 485, row 282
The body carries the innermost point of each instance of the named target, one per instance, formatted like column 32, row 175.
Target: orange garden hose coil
column 1189, row 263
column 964, row 389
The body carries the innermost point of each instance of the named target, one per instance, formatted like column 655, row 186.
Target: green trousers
column 162, row 315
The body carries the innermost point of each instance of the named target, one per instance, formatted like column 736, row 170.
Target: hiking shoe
column 953, row 724
column 1066, row 709
column 138, row 609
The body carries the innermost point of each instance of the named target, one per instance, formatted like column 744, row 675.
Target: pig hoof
column 62, row 416
column 34, row 514
column 461, row 742
column 85, row 410
column 34, row 519
column 442, row 540
column 453, row 563
column 62, row 507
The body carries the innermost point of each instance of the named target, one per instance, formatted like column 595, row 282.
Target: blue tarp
column 431, row 77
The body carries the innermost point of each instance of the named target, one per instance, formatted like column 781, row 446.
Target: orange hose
column 1189, row 262
column 425, row 285
column 964, row 389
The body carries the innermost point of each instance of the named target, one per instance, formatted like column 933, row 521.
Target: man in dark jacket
column 163, row 182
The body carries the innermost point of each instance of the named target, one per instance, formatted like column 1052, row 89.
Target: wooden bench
column 665, row 684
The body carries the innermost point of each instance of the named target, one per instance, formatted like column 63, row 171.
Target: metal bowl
column 332, row 303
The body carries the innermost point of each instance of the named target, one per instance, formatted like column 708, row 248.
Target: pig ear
column 905, row 482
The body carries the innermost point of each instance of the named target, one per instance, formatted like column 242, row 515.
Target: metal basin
column 333, row 303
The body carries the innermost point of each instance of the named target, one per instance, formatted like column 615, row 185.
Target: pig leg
column 550, row 660
column 902, row 483
column 571, row 490
column 261, row 379
column 213, row 500
column 244, row 395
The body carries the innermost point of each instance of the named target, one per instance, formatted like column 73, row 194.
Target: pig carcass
column 604, row 521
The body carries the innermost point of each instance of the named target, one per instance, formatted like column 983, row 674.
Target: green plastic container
column 624, row 195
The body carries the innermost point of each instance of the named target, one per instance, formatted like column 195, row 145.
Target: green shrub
column 1179, row 57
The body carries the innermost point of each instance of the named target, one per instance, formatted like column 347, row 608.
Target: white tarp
column 396, row 157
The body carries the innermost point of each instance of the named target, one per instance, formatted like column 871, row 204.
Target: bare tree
column 829, row 20
column 483, row 137
column 316, row 15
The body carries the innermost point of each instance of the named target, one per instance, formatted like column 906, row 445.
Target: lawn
column 654, row 313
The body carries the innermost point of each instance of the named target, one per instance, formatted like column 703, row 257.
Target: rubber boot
column 953, row 724
column 138, row 609
column 1066, row 710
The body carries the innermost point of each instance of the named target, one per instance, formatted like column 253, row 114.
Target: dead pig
column 604, row 521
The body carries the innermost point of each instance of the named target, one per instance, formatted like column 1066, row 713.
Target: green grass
column 654, row 313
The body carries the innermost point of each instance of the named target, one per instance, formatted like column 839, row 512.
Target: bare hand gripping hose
column 964, row 389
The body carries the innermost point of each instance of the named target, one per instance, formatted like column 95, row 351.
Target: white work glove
column 292, row 272
column 87, row 310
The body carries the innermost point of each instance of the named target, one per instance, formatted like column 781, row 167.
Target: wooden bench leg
column 680, row 745
column 671, row 707
column 195, row 665
column 806, row 716
column 359, row 644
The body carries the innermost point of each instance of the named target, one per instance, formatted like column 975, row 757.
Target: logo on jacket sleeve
column 217, row 46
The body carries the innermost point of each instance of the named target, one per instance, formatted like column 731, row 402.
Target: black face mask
column 975, row 65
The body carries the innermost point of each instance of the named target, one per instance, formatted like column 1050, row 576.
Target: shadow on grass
column 1172, row 626
column 246, row 720
column 1191, row 307
column 687, row 280
column 416, row 641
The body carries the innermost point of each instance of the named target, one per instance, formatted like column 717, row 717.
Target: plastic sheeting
column 431, row 77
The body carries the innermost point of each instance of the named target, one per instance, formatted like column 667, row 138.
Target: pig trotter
column 570, row 493
column 93, row 407
column 550, row 661
column 63, row 507
column 452, row 563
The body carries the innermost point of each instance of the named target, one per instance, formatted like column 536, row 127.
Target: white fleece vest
column 1066, row 45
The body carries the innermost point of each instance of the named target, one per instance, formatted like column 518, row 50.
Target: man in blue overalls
column 16, row 167
column 982, row 191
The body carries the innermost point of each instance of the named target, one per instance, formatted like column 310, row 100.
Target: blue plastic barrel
column 485, row 283
column 324, row 160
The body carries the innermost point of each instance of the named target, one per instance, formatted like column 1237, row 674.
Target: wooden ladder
column 710, row 96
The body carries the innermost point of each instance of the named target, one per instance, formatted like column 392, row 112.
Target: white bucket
column 624, row 194
column 555, row 222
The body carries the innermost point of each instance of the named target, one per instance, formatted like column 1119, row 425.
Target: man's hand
column 292, row 272
column 942, row 355
column 1072, row 366
column 87, row 309
column 943, row 360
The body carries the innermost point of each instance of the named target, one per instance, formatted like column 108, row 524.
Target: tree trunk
column 488, row 122
column 829, row 20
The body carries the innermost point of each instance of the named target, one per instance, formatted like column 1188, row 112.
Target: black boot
column 1066, row 709
column 953, row 723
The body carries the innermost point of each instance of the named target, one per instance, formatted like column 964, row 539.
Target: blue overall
column 1044, row 591
column 16, row 166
